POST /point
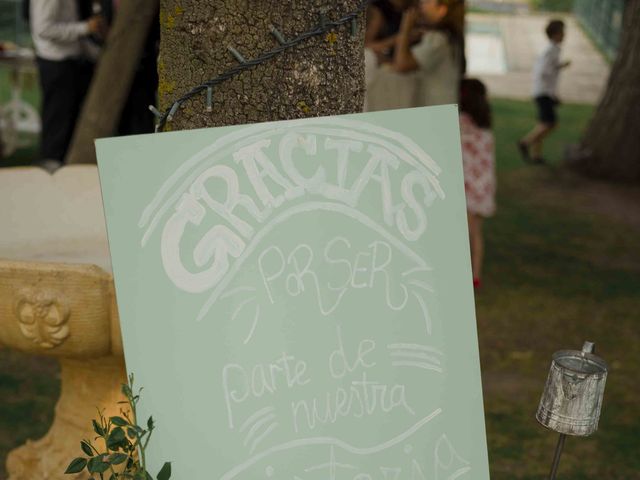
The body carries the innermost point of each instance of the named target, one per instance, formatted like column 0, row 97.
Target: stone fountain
column 57, row 299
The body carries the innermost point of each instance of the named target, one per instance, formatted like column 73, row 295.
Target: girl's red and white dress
column 478, row 157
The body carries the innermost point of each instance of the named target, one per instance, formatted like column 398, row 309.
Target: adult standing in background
column 439, row 56
column 383, row 23
column 61, row 31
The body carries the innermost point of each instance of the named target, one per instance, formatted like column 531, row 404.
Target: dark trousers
column 64, row 85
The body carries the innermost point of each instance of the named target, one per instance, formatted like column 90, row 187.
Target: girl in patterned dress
column 478, row 156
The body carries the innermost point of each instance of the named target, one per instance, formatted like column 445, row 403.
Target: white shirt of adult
column 57, row 33
column 439, row 66
column 546, row 71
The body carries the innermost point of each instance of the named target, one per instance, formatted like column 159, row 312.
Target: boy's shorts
column 547, row 109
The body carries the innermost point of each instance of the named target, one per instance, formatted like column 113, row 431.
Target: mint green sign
column 296, row 297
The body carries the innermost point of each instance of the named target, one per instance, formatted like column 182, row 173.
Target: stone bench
column 57, row 299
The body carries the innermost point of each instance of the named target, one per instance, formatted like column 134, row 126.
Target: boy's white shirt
column 546, row 71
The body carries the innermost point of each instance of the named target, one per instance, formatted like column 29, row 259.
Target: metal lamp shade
column 573, row 394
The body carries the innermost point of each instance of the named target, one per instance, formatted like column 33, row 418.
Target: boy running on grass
column 545, row 81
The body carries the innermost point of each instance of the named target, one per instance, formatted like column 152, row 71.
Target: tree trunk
column 112, row 80
column 611, row 145
column 324, row 75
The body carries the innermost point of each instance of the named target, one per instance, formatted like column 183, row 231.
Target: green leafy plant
column 118, row 450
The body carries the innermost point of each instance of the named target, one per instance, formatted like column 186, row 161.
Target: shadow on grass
column 29, row 388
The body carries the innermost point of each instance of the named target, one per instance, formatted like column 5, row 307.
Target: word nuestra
column 360, row 397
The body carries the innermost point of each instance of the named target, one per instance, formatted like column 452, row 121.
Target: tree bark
column 322, row 76
column 112, row 80
column 610, row 147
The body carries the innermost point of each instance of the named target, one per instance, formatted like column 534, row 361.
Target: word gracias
column 273, row 184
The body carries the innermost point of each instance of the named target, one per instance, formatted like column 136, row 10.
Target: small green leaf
column 97, row 428
column 115, row 438
column 97, row 465
column 117, row 434
column 76, row 465
column 165, row 472
column 117, row 458
column 150, row 423
column 119, row 421
column 132, row 433
column 126, row 391
column 86, row 448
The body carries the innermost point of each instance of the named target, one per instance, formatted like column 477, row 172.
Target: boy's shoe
column 524, row 151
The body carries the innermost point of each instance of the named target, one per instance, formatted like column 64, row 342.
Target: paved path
column 503, row 48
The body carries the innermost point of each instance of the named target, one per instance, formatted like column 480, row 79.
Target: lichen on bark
column 322, row 76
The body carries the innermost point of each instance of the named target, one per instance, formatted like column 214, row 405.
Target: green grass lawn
column 553, row 284
column 557, row 273
column 513, row 119
column 29, row 388
column 562, row 266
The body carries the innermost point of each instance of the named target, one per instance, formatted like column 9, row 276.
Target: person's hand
column 97, row 26
column 409, row 19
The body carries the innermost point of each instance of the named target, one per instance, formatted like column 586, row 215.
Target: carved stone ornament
column 43, row 315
